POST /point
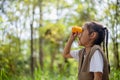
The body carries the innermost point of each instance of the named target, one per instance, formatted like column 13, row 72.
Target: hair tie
column 104, row 28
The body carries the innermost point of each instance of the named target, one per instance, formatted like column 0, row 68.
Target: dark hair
column 102, row 35
column 101, row 31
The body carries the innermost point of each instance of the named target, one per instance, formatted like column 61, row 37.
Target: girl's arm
column 97, row 75
column 67, row 47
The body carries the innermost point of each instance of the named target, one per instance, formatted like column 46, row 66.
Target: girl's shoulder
column 96, row 47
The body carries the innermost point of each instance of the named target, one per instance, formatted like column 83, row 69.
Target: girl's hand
column 73, row 36
column 79, row 35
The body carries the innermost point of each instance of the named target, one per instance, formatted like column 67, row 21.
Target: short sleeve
column 74, row 54
column 96, row 63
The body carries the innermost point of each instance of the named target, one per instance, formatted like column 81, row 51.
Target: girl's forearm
column 97, row 76
column 67, row 47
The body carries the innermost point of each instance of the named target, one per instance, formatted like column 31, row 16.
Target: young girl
column 93, row 64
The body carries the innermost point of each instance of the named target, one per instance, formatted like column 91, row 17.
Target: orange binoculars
column 76, row 29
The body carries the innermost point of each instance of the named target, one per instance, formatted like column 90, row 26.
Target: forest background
column 33, row 34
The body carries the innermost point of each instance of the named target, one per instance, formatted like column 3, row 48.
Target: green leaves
column 53, row 32
column 1, row 19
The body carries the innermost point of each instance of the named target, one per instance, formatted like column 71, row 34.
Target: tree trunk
column 32, row 56
column 115, row 22
column 116, row 56
column 115, row 43
column 41, row 52
column 41, row 39
column 52, row 60
column 32, row 59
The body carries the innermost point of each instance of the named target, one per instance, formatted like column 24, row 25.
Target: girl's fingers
column 75, row 34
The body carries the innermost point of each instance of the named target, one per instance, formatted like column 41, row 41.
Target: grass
column 50, row 75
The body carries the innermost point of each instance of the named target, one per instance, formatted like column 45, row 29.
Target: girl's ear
column 93, row 35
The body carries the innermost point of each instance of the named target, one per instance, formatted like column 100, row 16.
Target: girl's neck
column 88, row 48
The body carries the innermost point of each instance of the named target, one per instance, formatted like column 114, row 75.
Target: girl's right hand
column 73, row 36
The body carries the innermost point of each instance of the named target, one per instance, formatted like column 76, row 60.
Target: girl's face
column 84, row 37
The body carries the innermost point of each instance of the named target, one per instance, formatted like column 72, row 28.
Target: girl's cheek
column 79, row 35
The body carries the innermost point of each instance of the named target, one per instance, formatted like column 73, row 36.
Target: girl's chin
column 80, row 44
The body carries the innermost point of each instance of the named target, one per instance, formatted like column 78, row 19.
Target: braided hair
column 102, row 35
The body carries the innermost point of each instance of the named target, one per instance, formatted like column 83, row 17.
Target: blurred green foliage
column 16, row 18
